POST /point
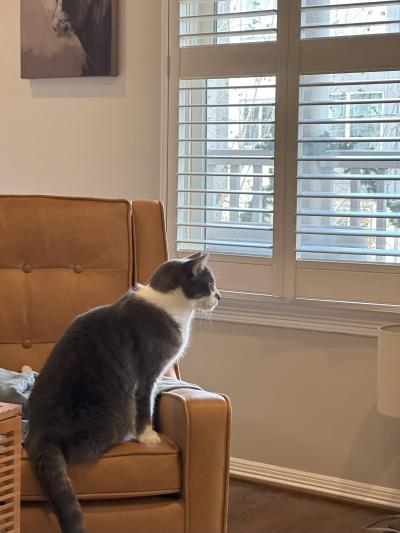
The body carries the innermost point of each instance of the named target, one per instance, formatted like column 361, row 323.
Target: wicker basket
column 10, row 467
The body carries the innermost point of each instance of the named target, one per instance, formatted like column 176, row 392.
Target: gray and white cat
column 95, row 388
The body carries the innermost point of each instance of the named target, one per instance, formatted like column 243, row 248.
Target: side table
column 10, row 467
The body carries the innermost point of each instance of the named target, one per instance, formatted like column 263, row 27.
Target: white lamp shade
column 389, row 370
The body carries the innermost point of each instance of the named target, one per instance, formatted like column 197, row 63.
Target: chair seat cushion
column 128, row 470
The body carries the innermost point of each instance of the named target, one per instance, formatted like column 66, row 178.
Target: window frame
column 282, row 277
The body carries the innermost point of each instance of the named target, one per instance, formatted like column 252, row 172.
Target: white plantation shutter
column 285, row 157
column 348, row 158
column 210, row 22
column 338, row 18
column 226, row 165
column 349, row 167
column 222, row 125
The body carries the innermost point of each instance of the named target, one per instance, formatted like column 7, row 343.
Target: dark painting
column 65, row 38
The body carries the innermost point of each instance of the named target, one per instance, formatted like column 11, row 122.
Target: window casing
column 284, row 137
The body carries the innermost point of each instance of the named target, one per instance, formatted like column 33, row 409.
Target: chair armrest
column 198, row 422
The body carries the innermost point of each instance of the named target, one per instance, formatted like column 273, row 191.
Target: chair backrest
column 62, row 256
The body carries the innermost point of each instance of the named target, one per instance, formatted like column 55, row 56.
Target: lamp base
column 385, row 524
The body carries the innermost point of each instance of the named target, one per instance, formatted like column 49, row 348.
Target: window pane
column 226, row 165
column 334, row 18
column 349, row 167
column 208, row 22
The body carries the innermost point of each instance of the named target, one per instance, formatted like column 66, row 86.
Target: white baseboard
column 316, row 483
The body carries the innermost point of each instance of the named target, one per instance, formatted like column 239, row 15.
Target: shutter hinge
column 168, row 66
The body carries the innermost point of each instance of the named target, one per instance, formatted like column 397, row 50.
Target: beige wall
column 303, row 400
column 92, row 137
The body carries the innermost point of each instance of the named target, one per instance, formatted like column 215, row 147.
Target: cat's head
column 192, row 276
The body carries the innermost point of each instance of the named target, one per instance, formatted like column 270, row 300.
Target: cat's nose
column 218, row 295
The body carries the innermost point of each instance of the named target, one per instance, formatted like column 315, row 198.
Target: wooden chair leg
column 10, row 468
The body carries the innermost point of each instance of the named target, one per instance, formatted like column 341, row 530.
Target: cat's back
column 103, row 335
column 85, row 330
column 70, row 351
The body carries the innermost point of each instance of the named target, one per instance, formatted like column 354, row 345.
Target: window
column 284, row 145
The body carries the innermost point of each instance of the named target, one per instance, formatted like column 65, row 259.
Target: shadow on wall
column 276, row 375
column 62, row 56
column 386, row 439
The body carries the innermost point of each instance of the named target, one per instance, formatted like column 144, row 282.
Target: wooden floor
column 257, row 508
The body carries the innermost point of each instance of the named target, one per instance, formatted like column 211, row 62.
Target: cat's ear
column 193, row 256
column 196, row 262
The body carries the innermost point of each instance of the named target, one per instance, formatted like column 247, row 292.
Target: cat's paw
column 149, row 436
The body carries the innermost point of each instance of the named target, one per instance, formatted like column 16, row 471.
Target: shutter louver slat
column 226, row 174
column 227, row 191
column 347, row 214
column 237, row 14
column 352, row 177
column 360, row 233
column 226, row 226
column 223, row 209
column 236, row 244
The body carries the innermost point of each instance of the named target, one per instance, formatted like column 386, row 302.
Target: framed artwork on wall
column 69, row 38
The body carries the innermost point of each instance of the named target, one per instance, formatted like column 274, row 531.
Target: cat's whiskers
column 205, row 318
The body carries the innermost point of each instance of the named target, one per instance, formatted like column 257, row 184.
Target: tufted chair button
column 78, row 269
column 27, row 269
column 27, row 343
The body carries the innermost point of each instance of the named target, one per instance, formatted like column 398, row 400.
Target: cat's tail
column 51, row 469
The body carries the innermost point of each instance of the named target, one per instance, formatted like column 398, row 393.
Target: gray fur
column 96, row 385
column 91, row 21
column 77, row 11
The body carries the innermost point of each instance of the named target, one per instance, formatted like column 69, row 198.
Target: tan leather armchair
column 60, row 257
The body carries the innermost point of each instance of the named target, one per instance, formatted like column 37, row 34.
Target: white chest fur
column 177, row 306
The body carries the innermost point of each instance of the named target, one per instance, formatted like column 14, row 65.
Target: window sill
column 333, row 317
